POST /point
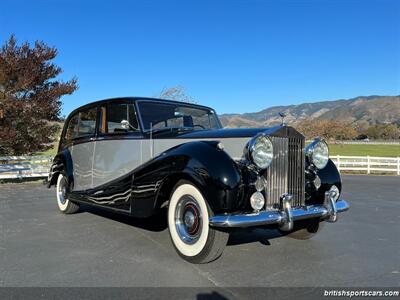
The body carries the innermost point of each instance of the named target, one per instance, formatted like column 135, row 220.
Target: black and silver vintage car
column 137, row 156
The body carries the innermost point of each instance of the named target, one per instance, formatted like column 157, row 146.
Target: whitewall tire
column 62, row 189
column 188, row 223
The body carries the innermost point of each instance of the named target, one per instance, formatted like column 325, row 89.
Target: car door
column 117, row 153
column 79, row 136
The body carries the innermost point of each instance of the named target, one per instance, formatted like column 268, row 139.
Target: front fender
column 329, row 176
column 211, row 169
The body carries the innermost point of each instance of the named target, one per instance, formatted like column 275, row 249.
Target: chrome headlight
column 261, row 151
column 318, row 153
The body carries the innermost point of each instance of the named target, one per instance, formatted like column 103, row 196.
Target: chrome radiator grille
column 286, row 172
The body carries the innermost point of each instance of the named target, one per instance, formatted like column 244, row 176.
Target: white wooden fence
column 18, row 167
column 369, row 142
column 367, row 164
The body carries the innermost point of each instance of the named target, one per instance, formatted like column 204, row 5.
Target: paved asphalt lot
column 41, row 247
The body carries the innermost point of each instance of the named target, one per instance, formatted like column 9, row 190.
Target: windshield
column 160, row 115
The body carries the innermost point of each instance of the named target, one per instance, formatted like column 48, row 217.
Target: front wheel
column 64, row 204
column 188, row 223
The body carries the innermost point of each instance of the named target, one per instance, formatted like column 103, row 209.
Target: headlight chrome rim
column 257, row 201
column 260, row 162
column 318, row 159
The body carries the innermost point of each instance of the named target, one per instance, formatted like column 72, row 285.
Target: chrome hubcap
column 62, row 191
column 188, row 219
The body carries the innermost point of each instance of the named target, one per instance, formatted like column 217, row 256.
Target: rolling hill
column 363, row 110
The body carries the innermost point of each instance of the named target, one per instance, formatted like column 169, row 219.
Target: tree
column 29, row 97
column 328, row 129
column 383, row 131
column 177, row 93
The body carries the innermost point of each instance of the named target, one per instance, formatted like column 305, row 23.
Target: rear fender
column 62, row 162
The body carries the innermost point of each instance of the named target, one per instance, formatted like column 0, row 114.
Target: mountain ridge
column 362, row 110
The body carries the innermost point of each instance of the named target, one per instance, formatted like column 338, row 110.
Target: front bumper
column 284, row 218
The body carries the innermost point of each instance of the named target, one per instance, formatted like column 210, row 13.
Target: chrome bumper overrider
column 284, row 217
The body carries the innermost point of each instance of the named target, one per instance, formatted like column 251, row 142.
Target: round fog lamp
column 260, row 184
column 257, row 201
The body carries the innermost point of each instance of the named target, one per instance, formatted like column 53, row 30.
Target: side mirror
column 125, row 124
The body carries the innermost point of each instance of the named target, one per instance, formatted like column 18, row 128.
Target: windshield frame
column 177, row 103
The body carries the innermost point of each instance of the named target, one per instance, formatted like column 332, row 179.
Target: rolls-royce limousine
column 137, row 156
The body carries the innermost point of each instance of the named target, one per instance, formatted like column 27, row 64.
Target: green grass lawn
column 50, row 152
column 364, row 150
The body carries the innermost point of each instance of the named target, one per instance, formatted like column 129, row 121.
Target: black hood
column 282, row 131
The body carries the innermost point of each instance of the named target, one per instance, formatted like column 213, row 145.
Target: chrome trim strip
column 275, row 217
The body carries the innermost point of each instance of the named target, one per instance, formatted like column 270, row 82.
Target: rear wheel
column 64, row 204
column 305, row 230
column 188, row 223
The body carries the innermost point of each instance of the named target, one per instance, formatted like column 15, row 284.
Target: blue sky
column 236, row 56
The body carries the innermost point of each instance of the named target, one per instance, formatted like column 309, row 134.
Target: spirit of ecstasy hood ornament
column 283, row 116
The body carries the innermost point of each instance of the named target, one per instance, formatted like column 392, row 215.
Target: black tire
column 65, row 205
column 188, row 223
column 305, row 230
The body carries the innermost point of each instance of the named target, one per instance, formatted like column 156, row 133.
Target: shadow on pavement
column 158, row 223
column 154, row 223
column 247, row 236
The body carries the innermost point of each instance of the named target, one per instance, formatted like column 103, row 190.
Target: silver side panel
column 114, row 158
column 233, row 146
column 82, row 159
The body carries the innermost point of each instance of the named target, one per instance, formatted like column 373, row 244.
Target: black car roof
column 134, row 99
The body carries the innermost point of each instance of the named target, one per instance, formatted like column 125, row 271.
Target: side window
column 80, row 125
column 113, row 114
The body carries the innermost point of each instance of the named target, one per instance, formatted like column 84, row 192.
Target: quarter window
column 87, row 122
column 82, row 124
column 72, row 129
